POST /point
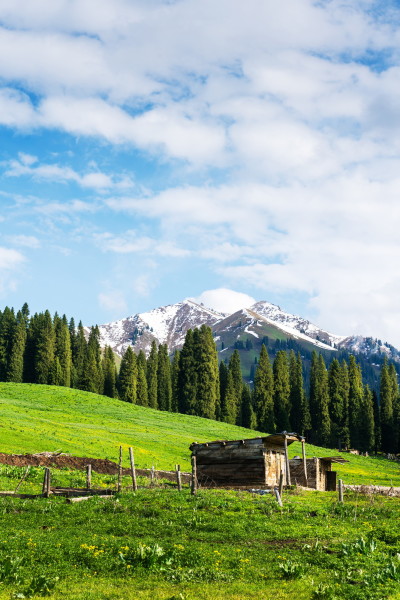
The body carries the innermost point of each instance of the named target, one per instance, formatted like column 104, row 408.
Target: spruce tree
column 229, row 407
column 164, row 382
column 175, row 380
column 127, row 377
column 235, row 369
column 356, row 394
column 63, row 349
column 336, row 401
column 249, row 418
column 44, row 348
column 207, row 372
column 109, row 373
column 7, row 328
column 367, row 422
column 152, row 368
column 223, row 380
column 141, row 393
column 319, row 401
column 264, row 393
column 92, row 372
column 15, row 371
column 344, row 432
column 281, row 391
column 300, row 411
column 79, row 353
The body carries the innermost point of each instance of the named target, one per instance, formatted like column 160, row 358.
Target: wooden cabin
column 252, row 462
column 316, row 473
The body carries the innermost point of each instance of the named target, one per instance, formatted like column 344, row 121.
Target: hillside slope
column 38, row 418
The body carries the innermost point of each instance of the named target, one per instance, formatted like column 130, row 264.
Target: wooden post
column 281, row 483
column 133, row 470
column 88, row 477
column 178, row 477
column 288, row 481
column 303, row 447
column 340, row 490
column 44, row 486
column 152, row 474
column 278, row 497
column 194, row 476
column 23, row 479
column 47, row 491
column 119, row 484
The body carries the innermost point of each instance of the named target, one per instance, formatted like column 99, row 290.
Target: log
column 278, row 497
column 81, row 498
column 25, row 475
column 340, row 490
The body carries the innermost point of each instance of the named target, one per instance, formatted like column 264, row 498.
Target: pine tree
column 63, row 349
column 367, row 422
column 235, row 369
column 336, row 401
column 175, row 380
column 206, row 367
column 152, row 368
column 187, row 379
column 229, row 408
column 109, row 373
column 79, row 352
column 344, row 432
column 300, row 410
column 15, row 371
column 92, row 371
column 396, row 408
column 44, row 348
column 127, row 378
column 249, row 418
column 223, row 381
column 141, row 393
column 7, row 328
column 319, row 401
column 281, row 391
column 356, row 393
column 264, row 393
column 164, row 382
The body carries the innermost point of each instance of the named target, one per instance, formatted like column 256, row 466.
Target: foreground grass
column 165, row 545
column 36, row 418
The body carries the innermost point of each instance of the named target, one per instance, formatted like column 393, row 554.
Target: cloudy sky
column 153, row 150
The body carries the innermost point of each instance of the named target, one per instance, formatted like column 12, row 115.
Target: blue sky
column 156, row 150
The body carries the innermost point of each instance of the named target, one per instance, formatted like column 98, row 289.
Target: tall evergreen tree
column 152, row 368
column 281, row 391
column 175, row 380
column 15, row 371
column 229, row 407
column 127, row 377
column 207, row 372
column 63, row 349
column 79, row 352
column 300, row 410
column 367, row 423
column 235, row 369
column 223, row 381
column 109, row 373
column 249, row 418
column 164, row 382
column 141, row 393
column 344, row 431
column 7, row 328
column 264, row 393
column 45, row 346
column 356, row 394
column 319, row 401
column 92, row 371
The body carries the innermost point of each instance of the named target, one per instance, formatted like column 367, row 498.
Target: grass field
column 159, row 544
column 37, row 418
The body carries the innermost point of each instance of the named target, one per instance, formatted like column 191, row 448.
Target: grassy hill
column 37, row 418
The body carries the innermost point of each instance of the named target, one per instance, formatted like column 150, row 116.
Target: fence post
column 340, row 490
column 44, row 486
column 119, row 470
column 288, row 480
column 23, row 479
column 152, row 475
column 178, row 477
column 46, row 482
column 88, row 477
column 194, row 476
column 278, row 496
column 133, row 470
column 281, row 483
column 303, row 447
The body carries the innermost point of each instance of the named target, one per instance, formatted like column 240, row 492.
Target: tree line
column 336, row 409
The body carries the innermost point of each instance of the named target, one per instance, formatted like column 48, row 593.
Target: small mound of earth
column 59, row 461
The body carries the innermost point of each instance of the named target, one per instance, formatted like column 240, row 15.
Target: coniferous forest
column 336, row 408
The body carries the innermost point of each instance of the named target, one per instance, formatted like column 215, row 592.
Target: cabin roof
column 276, row 439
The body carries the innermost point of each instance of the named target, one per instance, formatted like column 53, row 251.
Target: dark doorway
column 331, row 481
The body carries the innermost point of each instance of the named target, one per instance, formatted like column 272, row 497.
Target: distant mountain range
column 245, row 329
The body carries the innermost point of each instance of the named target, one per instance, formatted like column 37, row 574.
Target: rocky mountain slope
column 245, row 328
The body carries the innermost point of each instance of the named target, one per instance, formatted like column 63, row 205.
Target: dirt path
column 59, row 461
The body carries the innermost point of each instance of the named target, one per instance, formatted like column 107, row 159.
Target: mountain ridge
column 169, row 324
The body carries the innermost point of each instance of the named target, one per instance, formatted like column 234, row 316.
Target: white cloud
column 131, row 243
column 27, row 241
column 113, row 301
column 225, row 300
column 10, row 259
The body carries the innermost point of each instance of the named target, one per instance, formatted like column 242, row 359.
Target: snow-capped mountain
column 169, row 324
column 166, row 325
